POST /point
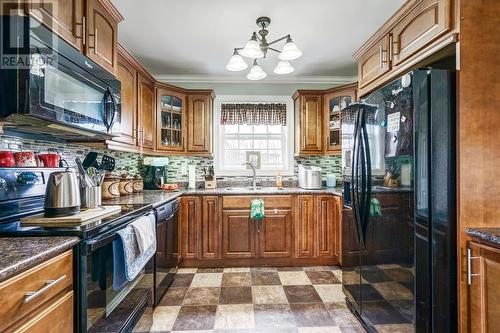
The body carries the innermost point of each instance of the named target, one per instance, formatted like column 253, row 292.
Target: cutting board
column 85, row 217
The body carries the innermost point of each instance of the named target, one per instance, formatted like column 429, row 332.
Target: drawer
column 56, row 317
column 46, row 280
column 270, row 201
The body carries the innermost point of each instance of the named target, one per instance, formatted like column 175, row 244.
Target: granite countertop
column 491, row 235
column 159, row 197
column 17, row 254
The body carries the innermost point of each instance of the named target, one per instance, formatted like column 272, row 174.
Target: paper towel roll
column 192, row 176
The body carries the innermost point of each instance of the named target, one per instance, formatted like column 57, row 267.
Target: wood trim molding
column 123, row 52
column 111, row 9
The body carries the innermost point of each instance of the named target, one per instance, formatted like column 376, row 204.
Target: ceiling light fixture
column 257, row 48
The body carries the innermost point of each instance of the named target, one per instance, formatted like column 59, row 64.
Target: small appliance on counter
column 155, row 172
column 310, row 177
column 62, row 194
column 209, row 175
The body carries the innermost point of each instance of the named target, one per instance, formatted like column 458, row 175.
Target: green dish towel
column 257, row 209
column 375, row 209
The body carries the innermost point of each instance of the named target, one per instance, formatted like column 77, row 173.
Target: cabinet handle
column 394, row 44
column 382, row 61
column 31, row 295
column 469, row 267
column 94, row 35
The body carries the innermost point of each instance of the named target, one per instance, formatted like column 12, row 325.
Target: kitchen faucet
column 254, row 175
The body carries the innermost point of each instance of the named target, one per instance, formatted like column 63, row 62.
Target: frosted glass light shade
column 236, row 63
column 290, row 51
column 283, row 67
column 252, row 49
column 256, row 73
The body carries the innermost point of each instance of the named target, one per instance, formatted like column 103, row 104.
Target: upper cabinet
column 146, row 111
column 426, row 22
column 65, row 18
column 170, row 120
column 102, row 35
column 419, row 28
column 91, row 26
column 335, row 101
column 308, row 122
column 127, row 75
column 199, row 122
column 318, row 119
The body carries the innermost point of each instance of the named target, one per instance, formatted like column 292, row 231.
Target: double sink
column 251, row 188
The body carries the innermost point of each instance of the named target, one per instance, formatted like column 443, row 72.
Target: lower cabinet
column 238, row 234
column 484, row 294
column 295, row 227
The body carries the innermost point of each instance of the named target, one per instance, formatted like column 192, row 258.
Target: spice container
column 126, row 184
column 137, row 184
column 110, row 187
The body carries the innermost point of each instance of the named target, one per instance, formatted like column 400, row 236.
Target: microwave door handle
column 113, row 106
column 108, row 117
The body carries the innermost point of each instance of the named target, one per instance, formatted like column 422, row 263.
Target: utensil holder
column 91, row 197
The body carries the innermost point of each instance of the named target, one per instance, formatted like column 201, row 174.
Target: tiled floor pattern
column 257, row 299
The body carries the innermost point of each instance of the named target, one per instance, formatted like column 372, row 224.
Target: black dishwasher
column 167, row 253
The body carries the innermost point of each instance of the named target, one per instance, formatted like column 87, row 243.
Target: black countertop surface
column 491, row 235
column 18, row 254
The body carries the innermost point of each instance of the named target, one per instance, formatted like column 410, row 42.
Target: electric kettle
column 62, row 194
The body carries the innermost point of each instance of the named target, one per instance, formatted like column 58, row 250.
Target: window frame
column 217, row 138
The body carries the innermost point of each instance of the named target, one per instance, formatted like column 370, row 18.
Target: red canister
column 7, row 159
column 50, row 160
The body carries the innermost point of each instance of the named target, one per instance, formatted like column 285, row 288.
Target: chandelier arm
column 279, row 40
column 274, row 50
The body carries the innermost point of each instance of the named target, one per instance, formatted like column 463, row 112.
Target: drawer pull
column 470, row 275
column 49, row 284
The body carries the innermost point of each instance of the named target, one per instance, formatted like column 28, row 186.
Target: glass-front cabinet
column 171, row 114
column 334, row 103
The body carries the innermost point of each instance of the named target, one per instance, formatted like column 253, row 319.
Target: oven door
column 106, row 309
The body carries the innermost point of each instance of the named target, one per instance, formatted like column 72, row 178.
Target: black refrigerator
column 399, row 223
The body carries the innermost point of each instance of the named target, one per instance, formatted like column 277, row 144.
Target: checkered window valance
column 253, row 114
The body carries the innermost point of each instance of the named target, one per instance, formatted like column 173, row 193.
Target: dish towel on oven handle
column 128, row 261
column 144, row 233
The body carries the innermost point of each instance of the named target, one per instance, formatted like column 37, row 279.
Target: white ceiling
column 192, row 40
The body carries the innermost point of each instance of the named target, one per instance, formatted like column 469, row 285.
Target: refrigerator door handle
column 355, row 178
column 367, row 178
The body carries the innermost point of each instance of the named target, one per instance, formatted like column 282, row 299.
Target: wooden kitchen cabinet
column 484, row 294
column 190, row 220
column 146, row 110
column 335, row 101
column 102, row 34
column 308, row 122
column 428, row 20
column 64, row 17
column 170, row 120
column 127, row 75
column 304, row 226
column 238, row 234
column 275, row 234
column 211, row 227
column 326, row 229
column 199, row 122
column 374, row 63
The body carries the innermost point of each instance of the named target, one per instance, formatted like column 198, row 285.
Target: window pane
column 260, row 129
column 260, row 144
column 231, row 157
column 274, row 144
column 274, row 129
column 231, row 144
column 245, row 129
column 245, row 142
column 230, row 128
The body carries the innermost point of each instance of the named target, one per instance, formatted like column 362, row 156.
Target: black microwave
column 54, row 89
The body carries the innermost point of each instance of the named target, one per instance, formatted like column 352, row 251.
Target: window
column 273, row 142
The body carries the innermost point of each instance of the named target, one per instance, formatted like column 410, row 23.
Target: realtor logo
column 15, row 49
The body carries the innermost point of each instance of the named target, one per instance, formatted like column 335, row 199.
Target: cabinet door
column 128, row 78
column 337, row 223
column 199, row 124
column 325, row 230
column 334, row 103
column 190, row 220
column 64, row 17
column 275, row 234
column 310, row 125
column 427, row 21
column 374, row 63
column 145, row 93
column 238, row 234
column 102, row 32
column 170, row 117
column 484, row 294
column 304, row 226
column 210, row 227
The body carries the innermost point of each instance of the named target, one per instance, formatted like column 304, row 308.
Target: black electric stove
column 98, row 306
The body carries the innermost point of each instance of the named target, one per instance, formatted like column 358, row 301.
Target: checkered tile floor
column 257, row 299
